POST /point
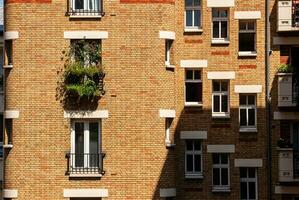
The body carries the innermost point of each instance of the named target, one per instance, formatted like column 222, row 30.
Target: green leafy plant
column 83, row 74
column 285, row 68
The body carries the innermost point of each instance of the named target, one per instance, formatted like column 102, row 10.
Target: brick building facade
column 183, row 116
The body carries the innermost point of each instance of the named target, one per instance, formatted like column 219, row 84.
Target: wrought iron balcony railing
column 85, row 164
column 85, row 8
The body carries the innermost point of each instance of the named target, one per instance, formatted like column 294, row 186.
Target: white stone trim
column 85, row 193
column 85, row 34
column 11, row 35
column 221, row 75
column 194, row 63
column 286, row 189
column 169, row 35
column 286, row 115
column 167, row 192
column 86, row 114
column 221, row 3
column 228, row 148
column 194, row 135
column 248, row 88
column 11, row 114
column 10, row 193
column 285, row 40
column 167, row 113
column 247, row 14
column 248, row 162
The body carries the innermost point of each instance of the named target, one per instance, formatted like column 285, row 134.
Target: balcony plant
column 284, row 143
column 83, row 74
column 285, row 68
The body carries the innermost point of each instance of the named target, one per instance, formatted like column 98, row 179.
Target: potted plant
column 284, row 143
column 285, row 68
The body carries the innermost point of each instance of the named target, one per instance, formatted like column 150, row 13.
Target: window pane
column 223, row 29
column 251, row 172
column 189, row 74
column 215, row 29
column 188, row 17
column 243, row 172
column 216, row 176
column 79, row 144
column 242, row 25
column 215, row 12
column 251, row 100
column 250, row 25
column 193, row 92
column 243, row 100
column 246, row 42
column 216, row 86
column 197, row 18
column 196, row 2
column 189, row 2
column 216, row 103
column 197, row 163
column 224, row 158
column 251, row 190
column 79, row 4
column 197, row 146
column 196, row 75
column 216, row 158
column 93, row 144
column 251, row 117
column 224, row 86
column 189, row 163
column 224, row 103
column 243, row 190
column 224, row 176
column 189, row 145
column 243, row 117
column 223, row 13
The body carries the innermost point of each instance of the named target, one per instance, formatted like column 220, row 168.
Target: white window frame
column 86, row 5
column 220, row 20
column 247, row 180
column 220, row 94
column 193, row 81
column 193, row 174
column 247, row 107
column 86, row 139
column 168, row 44
column 193, row 8
column 248, row 53
column 221, row 188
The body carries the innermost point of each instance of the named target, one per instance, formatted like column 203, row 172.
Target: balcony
column 288, row 161
column 85, row 8
column 287, row 92
column 84, row 165
column 288, row 15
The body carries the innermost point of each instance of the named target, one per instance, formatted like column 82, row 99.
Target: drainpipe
column 268, row 100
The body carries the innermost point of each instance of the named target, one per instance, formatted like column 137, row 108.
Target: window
column 85, row 149
column 247, row 36
column 248, row 183
column 247, row 111
column 8, row 52
column 193, row 14
column 168, row 142
column 193, row 87
column 193, row 159
column 220, row 99
column 220, row 172
column 168, row 44
column 85, row 7
column 220, row 24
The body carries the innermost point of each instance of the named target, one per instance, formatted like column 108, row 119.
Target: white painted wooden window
column 193, row 159
column 85, row 144
column 220, row 23
column 192, row 14
column 247, row 111
column 167, row 130
column 86, row 5
column 168, row 44
column 220, row 98
column 247, row 36
column 248, row 183
column 193, row 87
column 221, row 180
